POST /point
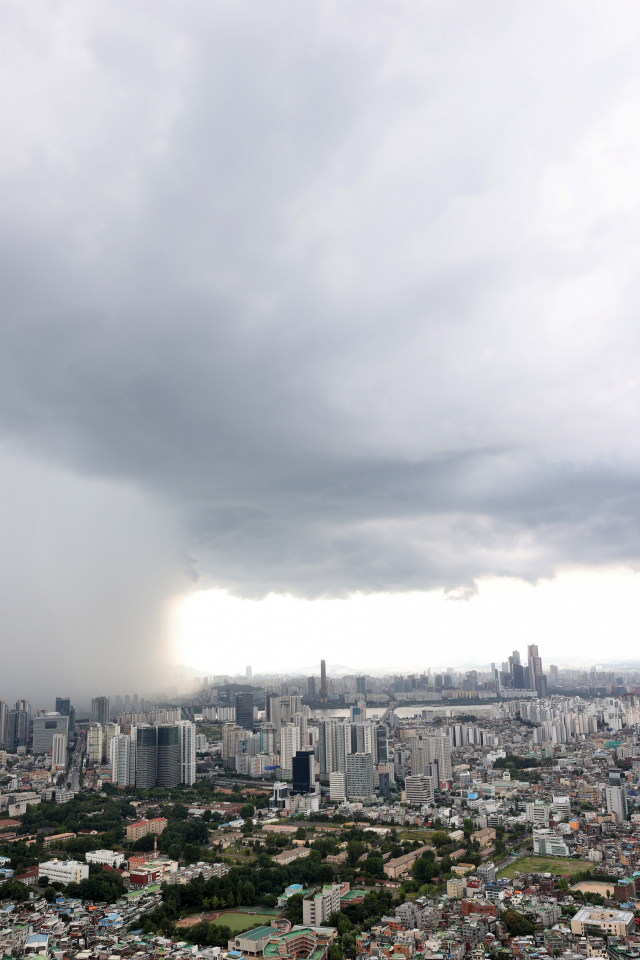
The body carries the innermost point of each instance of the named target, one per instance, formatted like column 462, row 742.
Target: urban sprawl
column 477, row 813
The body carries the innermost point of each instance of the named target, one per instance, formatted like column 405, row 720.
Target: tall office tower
column 45, row 727
column 438, row 749
column 63, row 707
column 355, row 714
column 168, row 756
column 94, row 743
column 553, row 673
column 363, row 739
column 324, row 690
column 361, row 685
column 18, row 725
column 382, row 737
column 295, row 705
column 244, row 710
column 146, row 757
column 59, row 751
column 289, row 745
column 360, row 777
column 187, row 734
column 100, row 712
column 304, row 771
column 123, row 759
column 311, row 688
column 535, row 666
column 230, row 735
column 617, row 802
column 267, row 738
column 4, row 722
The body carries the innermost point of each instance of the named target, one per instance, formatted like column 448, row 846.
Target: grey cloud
column 349, row 292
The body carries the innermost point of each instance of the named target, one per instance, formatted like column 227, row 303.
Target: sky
column 318, row 321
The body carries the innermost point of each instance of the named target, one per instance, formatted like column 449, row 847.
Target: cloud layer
column 348, row 292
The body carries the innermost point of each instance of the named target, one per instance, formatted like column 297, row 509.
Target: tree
column 517, row 923
column 355, row 849
column 301, row 833
column 293, row 909
column 247, row 810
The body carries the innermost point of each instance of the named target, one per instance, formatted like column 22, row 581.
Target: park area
column 237, row 922
column 555, row 865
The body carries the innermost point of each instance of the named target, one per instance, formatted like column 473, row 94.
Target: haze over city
column 319, row 339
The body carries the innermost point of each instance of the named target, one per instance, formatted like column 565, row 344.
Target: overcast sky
column 312, row 300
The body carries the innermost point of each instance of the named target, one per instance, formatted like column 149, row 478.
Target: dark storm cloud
column 347, row 291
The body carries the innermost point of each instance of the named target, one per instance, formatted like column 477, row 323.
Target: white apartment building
column 338, row 786
column 360, row 777
column 64, row 871
column 438, row 750
column 289, row 745
column 123, row 760
column 317, row 910
column 617, row 803
column 94, row 743
column 59, row 750
column 108, row 857
column 187, row 752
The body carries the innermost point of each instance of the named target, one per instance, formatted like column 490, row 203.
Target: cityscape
column 320, row 525
column 430, row 815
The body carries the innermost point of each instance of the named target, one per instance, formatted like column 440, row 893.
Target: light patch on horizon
column 582, row 616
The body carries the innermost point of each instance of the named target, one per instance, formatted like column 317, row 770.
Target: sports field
column 237, row 922
column 556, row 865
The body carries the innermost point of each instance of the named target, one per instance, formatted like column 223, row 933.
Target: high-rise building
column 168, row 756
column 382, row 737
column 109, row 731
column 304, row 771
column 617, row 802
column 63, row 706
column 146, row 757
column 4, row 721
column 311, row 688
column 419, row 789
column 59, row 751
column 334, row 745
column 94, row 743
column 45, row 727
column 123, row 760
column 244, row 710
column 360, row 777
column 324, row 690
column 19, row 725
column 338, row 786
column 248, row 673
column 100, row 711
column 289, row 745
column 361, row 685
column 438, row 750
column 187, row 733
column 230, row 735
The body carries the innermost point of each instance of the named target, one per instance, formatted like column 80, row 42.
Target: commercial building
column 146, row 757
column 419, row 789
column 546, row 843
column 108, row 857
column 168, row 756
column 617, row 802
column 304, row 772
column 244, row 710
column 45, row 727
column 455, row 888
column 595, row 920
column 187, row 734
column 538, row 813
column 64, row 871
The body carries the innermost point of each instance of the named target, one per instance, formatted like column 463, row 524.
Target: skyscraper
column 59, row 750
column 360, row 777
column 244, row 710
column 168, row 755
column 311, row 688
column 324, row 693
column 100, row 711
column 19, row 725
column 146, row 757
column 4, row 721
column 187, row 733
column 63, row 707
column 304, row 771
column 123, row 760
column 248, row 673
